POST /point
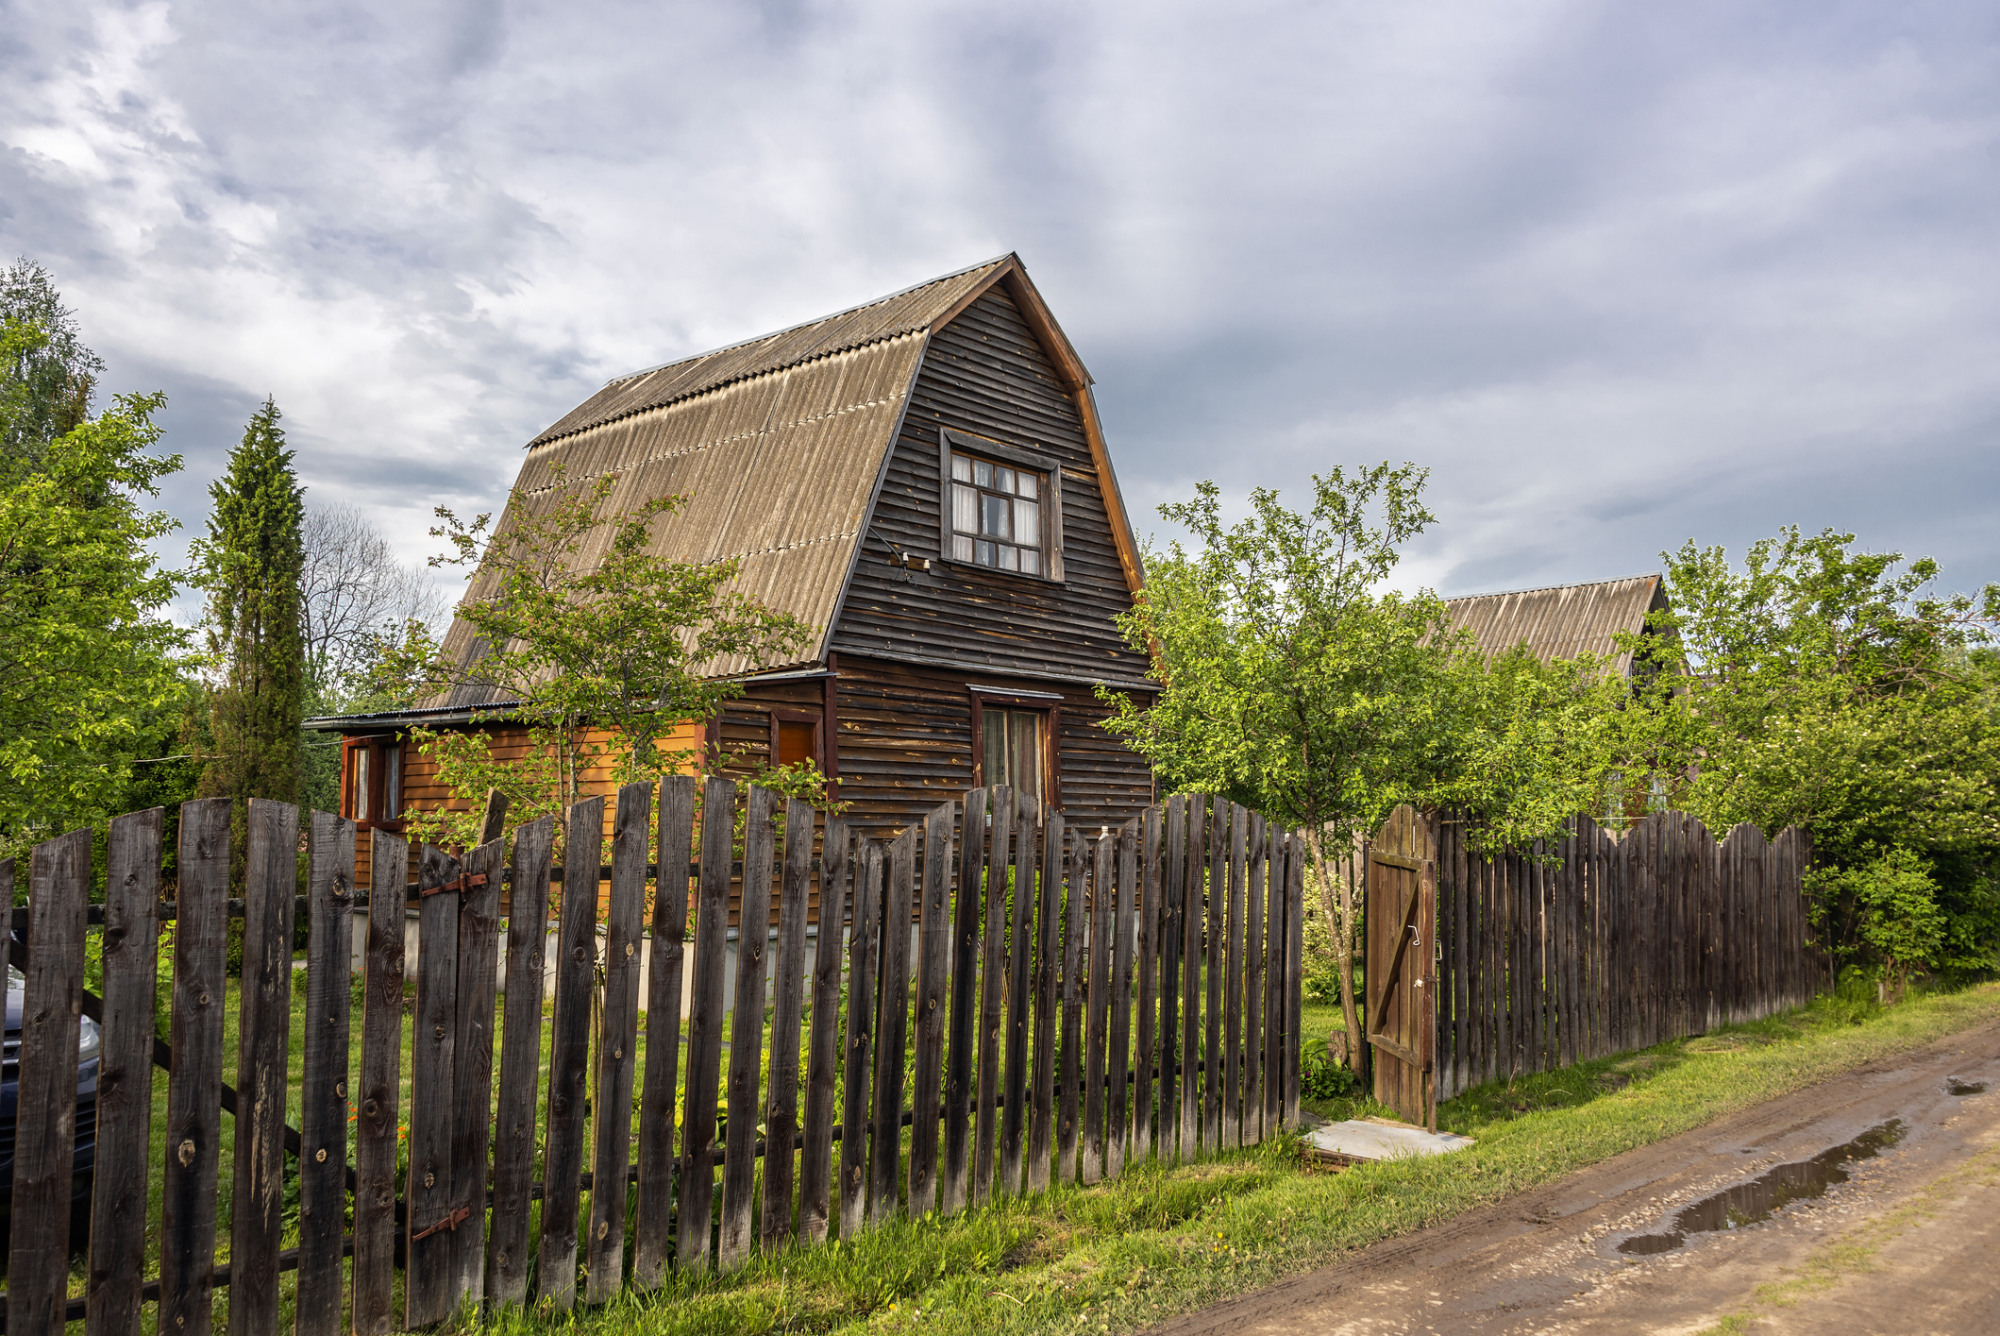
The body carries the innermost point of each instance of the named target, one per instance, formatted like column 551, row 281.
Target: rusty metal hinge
column 452, row 1222
column 458, row 885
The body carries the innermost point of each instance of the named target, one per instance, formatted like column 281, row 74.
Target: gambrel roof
column 780, row 444
column 1563, row 621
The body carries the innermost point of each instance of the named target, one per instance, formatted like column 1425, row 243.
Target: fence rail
column 1018, row 1004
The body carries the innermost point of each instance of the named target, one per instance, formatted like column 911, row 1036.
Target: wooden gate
column 1401, row 1015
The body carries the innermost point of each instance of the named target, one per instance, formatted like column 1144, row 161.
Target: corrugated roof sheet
column 890, row 317
column 1562, row 621
column 778, row 467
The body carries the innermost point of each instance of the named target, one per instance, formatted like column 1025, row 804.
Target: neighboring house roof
column 1562, row 621
column 779, row 443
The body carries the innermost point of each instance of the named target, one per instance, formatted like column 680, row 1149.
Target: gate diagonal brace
column 471, row 881
column 458, row 1217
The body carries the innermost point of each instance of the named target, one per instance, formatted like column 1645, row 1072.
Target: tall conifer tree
column 252, row 558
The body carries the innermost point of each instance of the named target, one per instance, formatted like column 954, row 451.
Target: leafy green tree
column 1840, row 691
column 251, row 558
column 89, row 661
column 1293, row 681
column 576, row 631
column 47, row 375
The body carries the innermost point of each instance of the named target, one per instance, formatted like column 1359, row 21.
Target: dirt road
column 1909, row 1243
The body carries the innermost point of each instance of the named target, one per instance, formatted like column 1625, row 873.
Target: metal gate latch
column 458, row 885
column 452, row 1222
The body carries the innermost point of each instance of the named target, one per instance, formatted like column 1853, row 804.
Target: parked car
column 90, row 1043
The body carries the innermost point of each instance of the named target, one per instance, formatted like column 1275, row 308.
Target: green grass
column 1162, row 1241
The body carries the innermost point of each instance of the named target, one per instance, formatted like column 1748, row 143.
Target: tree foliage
column 49, row 373
column 1293, row 680
column 1841, row 691
column 578, row 632
column 251, row 559
column 89, row 662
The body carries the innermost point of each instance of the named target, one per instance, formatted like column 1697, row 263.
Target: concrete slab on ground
column 1379, row 1139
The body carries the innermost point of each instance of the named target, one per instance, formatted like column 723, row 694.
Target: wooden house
column 924, row 480
column 1564, row 621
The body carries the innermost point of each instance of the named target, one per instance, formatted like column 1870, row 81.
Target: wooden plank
column 376, row 1111
column 1070, row 1082
column 427, row 1232
column 933, row 980
column 520, row 1063
column 859, row 1048
column 1146, row 1057
column 1295, row 902
column 472, row 1057
column 705, row 1014
column 1124, row 925
column 1173, row 891
column 652, row 1244
column 1020, row 962
column 1193, row 912
column 1147, row 987
column 45, row 1108
column 617, row 1042
column 1216, row 969
column 1097, row 955
column 958, row 1087
column 271, row 881
column 892, row 1022
column 569, row 1053
column 823, row 1048
column 1048, row 923
column 125, row 1075
column 746, row 1030
column 1282, row 850
column 1232, row 980
column 992, row 982
column 1427, row 1015
column 194, row 1089
column 788, row 973
column 1258, row 865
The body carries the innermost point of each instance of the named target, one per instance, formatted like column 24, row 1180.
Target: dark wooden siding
column 906, row 746
column 984, row 373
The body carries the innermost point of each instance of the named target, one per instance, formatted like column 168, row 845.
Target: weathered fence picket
column 1003, row 948
column 1593, row 944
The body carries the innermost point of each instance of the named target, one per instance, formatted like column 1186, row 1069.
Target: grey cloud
column 1618, row 276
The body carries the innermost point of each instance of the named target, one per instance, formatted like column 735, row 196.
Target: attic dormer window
column 1002, row 507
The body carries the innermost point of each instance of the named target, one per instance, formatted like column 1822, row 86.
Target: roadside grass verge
column 1163, row 1241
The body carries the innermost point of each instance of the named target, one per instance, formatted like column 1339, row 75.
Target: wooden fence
column 1013, row 1003
column 1596, row 944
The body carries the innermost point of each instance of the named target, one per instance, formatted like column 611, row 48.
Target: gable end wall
column 985, row 373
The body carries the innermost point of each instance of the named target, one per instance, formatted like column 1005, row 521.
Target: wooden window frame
column 378, row 747
column 1013, row 456
column 780, row 715
column 1049, row 704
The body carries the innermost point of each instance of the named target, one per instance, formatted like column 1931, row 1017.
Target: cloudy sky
column 1620, row 275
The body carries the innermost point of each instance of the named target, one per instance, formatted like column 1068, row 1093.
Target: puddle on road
column 1958, row 1085
column 1769, row 1192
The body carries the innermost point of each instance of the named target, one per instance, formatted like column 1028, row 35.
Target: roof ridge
column 807, row 324
column 1543, row 589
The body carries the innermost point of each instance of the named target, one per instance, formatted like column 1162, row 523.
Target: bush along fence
column 999, row 1002
column 1485, row 969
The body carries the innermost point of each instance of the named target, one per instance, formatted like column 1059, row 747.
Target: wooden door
column 1401, row 1018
